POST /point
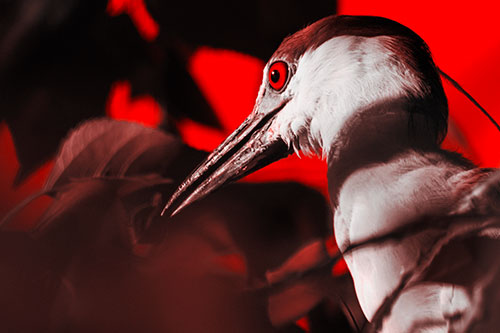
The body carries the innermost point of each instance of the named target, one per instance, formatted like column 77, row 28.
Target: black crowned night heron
column 364, row 93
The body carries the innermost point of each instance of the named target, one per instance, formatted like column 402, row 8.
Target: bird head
column 328, row 80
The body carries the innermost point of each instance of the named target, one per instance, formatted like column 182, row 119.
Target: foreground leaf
column 105, row 147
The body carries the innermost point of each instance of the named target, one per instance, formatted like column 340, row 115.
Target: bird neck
column 375, row 137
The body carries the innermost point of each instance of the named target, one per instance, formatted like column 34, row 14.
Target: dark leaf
column 246, row 26
column 60, row 58
column 267, row 222
column 183, row 97
column 26, row 284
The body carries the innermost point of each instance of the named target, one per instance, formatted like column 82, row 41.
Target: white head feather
column 336, row 80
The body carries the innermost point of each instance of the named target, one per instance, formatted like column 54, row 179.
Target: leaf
column 19, row 207
column 109, row 148
column 247, row 27
column 95, row 196
column 305, row 259
column 296, row 300
column 16, row 196
column 26, row 285
column 105, row 147
column 305, row 280
column 48, row 43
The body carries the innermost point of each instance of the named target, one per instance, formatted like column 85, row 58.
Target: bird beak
column 250, row 147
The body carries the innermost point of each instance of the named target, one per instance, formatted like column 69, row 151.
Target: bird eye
column 278, row 75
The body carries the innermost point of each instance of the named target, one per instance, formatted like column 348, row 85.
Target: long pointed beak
column 250, row 147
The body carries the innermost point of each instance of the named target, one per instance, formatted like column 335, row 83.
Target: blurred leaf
column 111, row 148
column 183, row 97
column 296, row 300
column 96, row 195
column 305, row 259
column 267, row 222
column 26, row 284
column 252, row 27
column 105, row 149
column 107, row 188
column 19, row 207
column 305, row 280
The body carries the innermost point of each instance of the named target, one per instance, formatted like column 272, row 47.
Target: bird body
column 364, row 93
column 382, row 197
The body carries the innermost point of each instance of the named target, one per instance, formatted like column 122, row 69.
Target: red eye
column 278, row 74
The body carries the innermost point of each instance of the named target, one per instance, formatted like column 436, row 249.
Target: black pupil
column 275, row 76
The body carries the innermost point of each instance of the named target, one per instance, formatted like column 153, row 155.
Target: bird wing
column 483, row 197
column 456, row 286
